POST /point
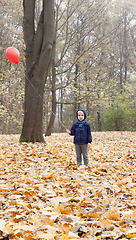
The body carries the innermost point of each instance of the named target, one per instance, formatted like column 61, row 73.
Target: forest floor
column 44, row 195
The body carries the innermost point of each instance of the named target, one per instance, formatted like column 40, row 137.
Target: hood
column 82, row 111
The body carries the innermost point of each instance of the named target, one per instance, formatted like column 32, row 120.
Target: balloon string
column 42, row 99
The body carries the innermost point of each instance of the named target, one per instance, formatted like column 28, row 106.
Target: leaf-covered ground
column 43, row 195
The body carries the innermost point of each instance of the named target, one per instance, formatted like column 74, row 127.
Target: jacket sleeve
column 89, row 134
column 72, row 130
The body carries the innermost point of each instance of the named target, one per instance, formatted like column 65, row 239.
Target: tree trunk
column 125, row 43
column 61, row 107
column 99, row 121
column 38, row 58
column 52, row 118
column 75, row 90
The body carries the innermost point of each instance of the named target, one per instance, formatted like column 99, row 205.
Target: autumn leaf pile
column 44, row 195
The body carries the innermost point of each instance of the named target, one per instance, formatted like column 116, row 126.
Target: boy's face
column 80, row 116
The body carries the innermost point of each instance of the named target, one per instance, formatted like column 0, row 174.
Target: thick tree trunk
column 33, row 118
column 38, row 60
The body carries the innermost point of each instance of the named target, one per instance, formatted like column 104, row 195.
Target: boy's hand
column 89, row 145
column 68, row 131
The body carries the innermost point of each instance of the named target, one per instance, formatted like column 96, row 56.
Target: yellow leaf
column 134, row 214
column 94, row 215
column 104, row 223
column 80, row 214
column 64, row 237
column 131, row 233
column 47, row 176
column 48, row 221
column 29, row 237
column 98, row 238
column 113, row 214
column 35, row 218
column 64, row 210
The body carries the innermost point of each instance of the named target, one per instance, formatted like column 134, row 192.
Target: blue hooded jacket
column 81, row 136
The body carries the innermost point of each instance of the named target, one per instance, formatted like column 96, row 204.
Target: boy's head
column 81, row 114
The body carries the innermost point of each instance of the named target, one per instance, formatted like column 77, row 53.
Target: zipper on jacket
column 80, row 136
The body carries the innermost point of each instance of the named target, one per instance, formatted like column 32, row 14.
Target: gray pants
column 82, row 149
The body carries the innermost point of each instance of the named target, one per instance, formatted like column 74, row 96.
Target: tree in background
column 39, row 45
column 12, row 80
column 92, row 63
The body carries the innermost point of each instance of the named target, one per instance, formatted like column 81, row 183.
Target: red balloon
column 13, row 55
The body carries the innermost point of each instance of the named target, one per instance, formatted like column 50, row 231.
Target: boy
column 82, row 136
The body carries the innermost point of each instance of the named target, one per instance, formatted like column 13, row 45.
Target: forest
column 73, row 54
column 94, row 65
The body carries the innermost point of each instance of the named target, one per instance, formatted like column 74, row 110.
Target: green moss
column 22, row 139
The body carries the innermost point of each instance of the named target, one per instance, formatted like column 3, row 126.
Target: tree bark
column 52, row 118
column 38, row 58
column 125, row 43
